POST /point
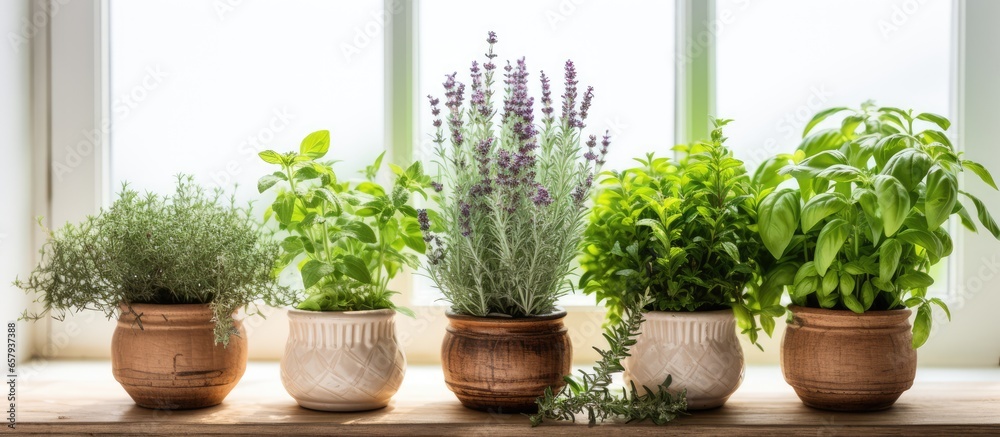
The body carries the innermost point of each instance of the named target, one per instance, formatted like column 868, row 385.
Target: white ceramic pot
column 342, row 360
column 700, row 350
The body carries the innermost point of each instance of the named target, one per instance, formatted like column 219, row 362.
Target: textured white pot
column 342, row 360
column 700, row 350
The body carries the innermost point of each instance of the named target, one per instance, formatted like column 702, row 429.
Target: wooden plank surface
column 82, row 398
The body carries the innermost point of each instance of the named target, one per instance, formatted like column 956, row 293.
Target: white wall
column 15, row 162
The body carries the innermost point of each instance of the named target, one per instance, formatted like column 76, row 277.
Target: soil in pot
column 699, row 350
column 504, row 364
column 840, row 360
column 173, row 362
column 342, row 360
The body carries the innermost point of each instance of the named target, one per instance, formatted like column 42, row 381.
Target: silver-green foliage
column 193, row 247
column 512, row 208
column 864, row 224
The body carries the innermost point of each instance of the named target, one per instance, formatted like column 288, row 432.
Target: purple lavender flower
column 569, row 96
column 435, row 110
column 542, row 197
column 438, row 187
column 491, row 37
column 465, row 214
column 423, row 220
column 546, row 98
column 605, row 142
column 585, row 105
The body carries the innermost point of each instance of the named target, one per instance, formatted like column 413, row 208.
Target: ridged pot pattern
column 342, row 360
column 699, row 350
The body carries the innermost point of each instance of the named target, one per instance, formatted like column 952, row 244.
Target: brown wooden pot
column 504, row 364
column 173, row 362
column 840, row 360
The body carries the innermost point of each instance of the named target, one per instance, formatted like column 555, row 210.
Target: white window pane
column 625, row 50
column 780, row 61
column 200, row 87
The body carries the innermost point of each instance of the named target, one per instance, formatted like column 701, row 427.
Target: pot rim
column 332, row 315
column 724, row 314
column 556, row 314
column 848, row 313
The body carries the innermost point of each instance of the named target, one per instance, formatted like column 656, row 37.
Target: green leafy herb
column 863, row 227
column 346, row 240
column 684, row 231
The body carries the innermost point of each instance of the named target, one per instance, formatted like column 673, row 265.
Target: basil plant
column 860, row 221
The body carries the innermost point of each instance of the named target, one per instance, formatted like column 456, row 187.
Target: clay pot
column 342, row 360
column 173, row 362
column 503, row 364
column 699, row 350
column 840, row 360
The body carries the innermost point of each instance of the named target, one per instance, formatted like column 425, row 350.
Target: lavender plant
column 513, row 195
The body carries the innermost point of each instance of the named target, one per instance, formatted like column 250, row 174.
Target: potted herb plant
column 173, row 270
column 347, row 241
column 854, row 240
column 512, row 216
column 681, row 232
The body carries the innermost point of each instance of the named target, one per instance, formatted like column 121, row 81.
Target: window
column 199, row 87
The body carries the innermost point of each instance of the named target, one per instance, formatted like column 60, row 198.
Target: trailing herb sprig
column 592, row 394
column 864, row 225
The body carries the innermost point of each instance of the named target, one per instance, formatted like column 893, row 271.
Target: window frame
column 70, row 65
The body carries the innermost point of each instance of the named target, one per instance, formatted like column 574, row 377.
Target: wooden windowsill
column 83, row 398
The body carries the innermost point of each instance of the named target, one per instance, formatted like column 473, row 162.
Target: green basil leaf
column 867, row 295
column 893, row 201
column 266, row 182
column 820, row 207
column 909, row 167
column 820, row 116
column 778, row 216
column 313, row 271
column 830, row 282
column 826, row 139
column 852, row 303
column 271, row 157
column 924, row 239
column 980, row 171
column 869, row 205
column 941, row 196
column 847, row 283
column 942, row 122
column 984, row 215
column 922, row 326
column 316, row 144
column 361, row 231
column 828, row 245
column 888, row 259
column 912, row 280
column 356, row 269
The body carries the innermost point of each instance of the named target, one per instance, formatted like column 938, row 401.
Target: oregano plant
column 346, row 239
column 861, row 220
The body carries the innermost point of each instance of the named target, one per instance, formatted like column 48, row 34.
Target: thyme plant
column 194, row 247
column 514, row 191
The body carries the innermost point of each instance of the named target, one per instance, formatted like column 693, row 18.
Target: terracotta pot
column 173, row 362
column 839, row 360
column 699, row 350
column 342, row 360
column 504, row 364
